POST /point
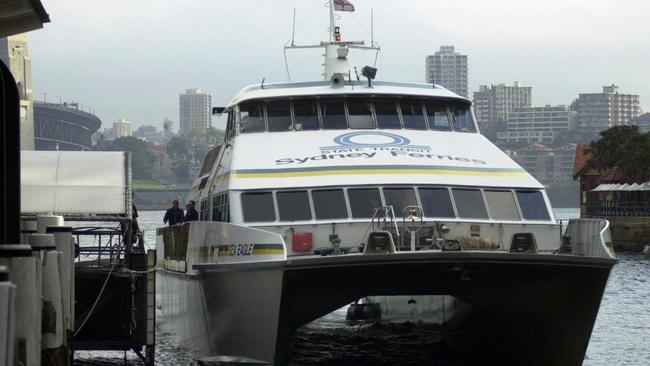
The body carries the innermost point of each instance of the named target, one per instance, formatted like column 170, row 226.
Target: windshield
column 356, row 113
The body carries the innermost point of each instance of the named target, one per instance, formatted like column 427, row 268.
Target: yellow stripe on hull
column 225, row 253
column 376, row 171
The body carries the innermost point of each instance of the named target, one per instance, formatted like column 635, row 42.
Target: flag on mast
column 343, row 5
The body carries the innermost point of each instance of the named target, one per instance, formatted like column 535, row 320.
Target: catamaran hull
column 532, row 309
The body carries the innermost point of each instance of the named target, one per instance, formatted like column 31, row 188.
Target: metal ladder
column 383, row 219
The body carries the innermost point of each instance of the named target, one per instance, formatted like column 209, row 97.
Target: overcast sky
column 131, row 59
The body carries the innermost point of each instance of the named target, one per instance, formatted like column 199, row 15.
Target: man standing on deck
column 191, row 214
column 174, row 215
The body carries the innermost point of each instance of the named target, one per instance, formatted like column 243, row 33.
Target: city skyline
column 134, row 70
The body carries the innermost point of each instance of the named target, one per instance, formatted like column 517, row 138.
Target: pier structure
column 611, row 195
column 107, row 275
column 16, row 16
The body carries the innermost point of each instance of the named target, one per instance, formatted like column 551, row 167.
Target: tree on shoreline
column 625, row 148
column 142, row 159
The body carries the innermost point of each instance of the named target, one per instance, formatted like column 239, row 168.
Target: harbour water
column 621, row 334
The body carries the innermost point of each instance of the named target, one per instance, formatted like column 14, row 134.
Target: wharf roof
column 581, row 159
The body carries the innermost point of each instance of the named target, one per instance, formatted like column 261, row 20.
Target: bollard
column 27, row 227
column 25, row 275
column 45, row 221
column 8, row 316
column 52, row 319
column 65, row 245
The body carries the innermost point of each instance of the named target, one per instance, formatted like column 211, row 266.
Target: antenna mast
column 372, row 27
column 332, row 21
column 336, row 50
column 293, row 29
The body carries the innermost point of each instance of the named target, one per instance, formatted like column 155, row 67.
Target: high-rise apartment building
column 168, row 128
column 14, row 54
column 537, row 124
column 642, row 121
column 551, row 166
column 448, row 69
column 195, row 111
column 600, row 111
column 122, row 128
column 493, row 104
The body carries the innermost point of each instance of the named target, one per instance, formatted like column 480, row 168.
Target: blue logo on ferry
column 355, row 139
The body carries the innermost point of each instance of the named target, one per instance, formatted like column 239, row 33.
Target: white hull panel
column 229, row 313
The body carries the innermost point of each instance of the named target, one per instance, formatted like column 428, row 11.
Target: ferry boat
column 327, row 193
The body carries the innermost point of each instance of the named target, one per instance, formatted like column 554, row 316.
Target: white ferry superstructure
column 327, row 192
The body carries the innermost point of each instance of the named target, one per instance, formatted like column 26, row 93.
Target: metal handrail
column 590, row 238
column 379, row 222
column 113, row 246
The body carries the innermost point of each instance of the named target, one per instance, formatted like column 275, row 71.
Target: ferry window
column 333, row 113
column 278, row 115
column 462, row 116
column 230, row 127
column 532, row 205
column 305, row 115
column 203, row 214
column 386, row 112
column 293, row 206
column 469, row 203
column 412, row 115
column 258, row 206
column 251, row 117
column 400, row 198
column 329, row 204
column 364, row 201
column 436, row 202
column 360, row 113
column 502, row 205
column 438, row 117
column 220, row 210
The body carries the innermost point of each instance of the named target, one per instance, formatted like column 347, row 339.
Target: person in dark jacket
column 191, row 214
column 174, row 215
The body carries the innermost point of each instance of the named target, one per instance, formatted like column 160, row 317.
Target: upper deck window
column 258, row 206
column 436, row 202
column 279, row 116
column 412, row 115
column 293, row 206
column 305, row 115
column 364, row 201
column 333, row 113
column 400, row 198
column 360, row 113
column 386, row 112
column 357, row 112
column 251, row 117
column 502, row 205
column 462, row 117
column 469, row 203
column 329, row 204
column 532, row 205
column 438, row 116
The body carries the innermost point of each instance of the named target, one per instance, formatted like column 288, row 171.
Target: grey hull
column 525, row 309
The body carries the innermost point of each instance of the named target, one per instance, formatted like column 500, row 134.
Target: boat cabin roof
column 325, row 89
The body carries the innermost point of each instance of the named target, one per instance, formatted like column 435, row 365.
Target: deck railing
column 618, row 209
column 102, row 245
column 590, row 238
